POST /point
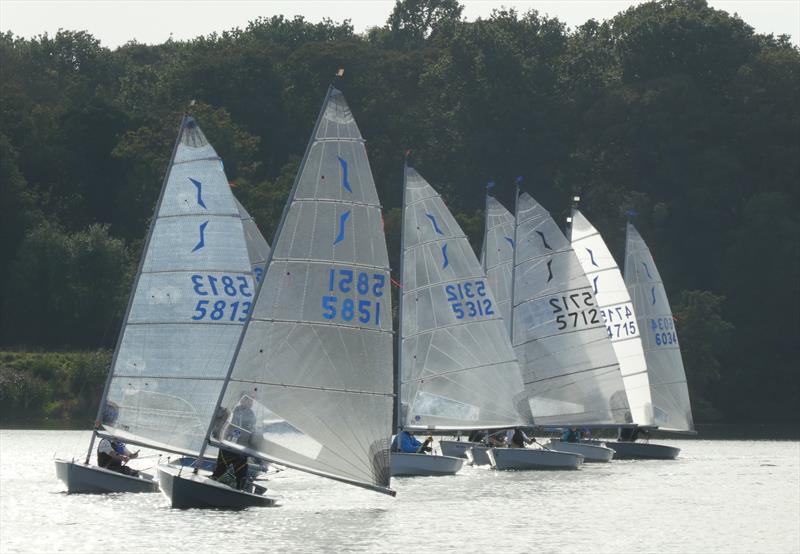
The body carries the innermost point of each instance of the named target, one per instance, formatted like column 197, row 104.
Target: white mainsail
column 671, row 407
column 569, row 367
column 457, row 366
column 316, row 356
column 257, row 245
column 497, row 255
column 618, row 314
column 191, row 297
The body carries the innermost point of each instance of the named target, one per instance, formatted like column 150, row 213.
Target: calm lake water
column 718, row 496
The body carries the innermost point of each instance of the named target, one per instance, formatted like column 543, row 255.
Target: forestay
column 671, row 407
column 458, row 369
column 617, row 313
column 191, row 297
column 316, row 357
column 497, row 255
column 569, row 367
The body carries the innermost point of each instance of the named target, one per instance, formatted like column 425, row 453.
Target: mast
column 275, row 236
column 184, row 121
column 514, row 255
column 489, row 185
column 399, row 376
column 574, row 206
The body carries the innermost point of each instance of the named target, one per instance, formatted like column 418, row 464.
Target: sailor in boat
column 516, row 438
column 232, row 468
column 405, row 441
column 497, row 439
column 113, row 454
column 571, row 434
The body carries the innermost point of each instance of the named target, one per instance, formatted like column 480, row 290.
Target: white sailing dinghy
column 457, row 368
column 672, row 410
column 315, row 358
column 569, row 368
column 619, row 317
column 192, row 293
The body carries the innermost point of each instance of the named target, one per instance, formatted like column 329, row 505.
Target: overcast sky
column 154, row 21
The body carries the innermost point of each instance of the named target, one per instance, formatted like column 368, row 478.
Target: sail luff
column 150, row 228
column 257, row 294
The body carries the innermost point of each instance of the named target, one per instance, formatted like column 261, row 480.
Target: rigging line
column 306, row 387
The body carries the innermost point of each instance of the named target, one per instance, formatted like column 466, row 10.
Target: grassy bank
column 51, row 389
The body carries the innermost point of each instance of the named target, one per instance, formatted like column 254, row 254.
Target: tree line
column 672, row 109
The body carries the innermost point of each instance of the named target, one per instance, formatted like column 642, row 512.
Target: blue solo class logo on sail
column 365, row 288
column 225, row 297
column 468, row 299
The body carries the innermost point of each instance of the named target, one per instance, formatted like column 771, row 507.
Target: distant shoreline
column 705, row 431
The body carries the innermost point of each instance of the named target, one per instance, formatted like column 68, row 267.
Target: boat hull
column 86, row 479
column 407, row 464
column 530, row 458
column 479, row 455
column 643, row 451
column 590, row 452
column 186, row 489
column 457, row 449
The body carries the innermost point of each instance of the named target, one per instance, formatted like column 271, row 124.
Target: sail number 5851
column 362, row 284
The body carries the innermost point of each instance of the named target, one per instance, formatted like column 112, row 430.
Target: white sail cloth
column 257, row 245
column 671, row 407
column 618, row 314
column 497, row 255
column 187, row 309
column 315, row 360
column 570, row 370
column 458, row 369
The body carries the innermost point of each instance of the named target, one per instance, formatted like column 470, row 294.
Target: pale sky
column 154, row 21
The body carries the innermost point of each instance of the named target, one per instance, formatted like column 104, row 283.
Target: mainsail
column 192, row 294
column 671, row 407
column 315, row 360
column 618, row 314
column 257, row 245
column 458, row 369
column 497, row 255
column 569, row 367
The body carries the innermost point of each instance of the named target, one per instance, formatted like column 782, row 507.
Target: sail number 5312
column 468, row 299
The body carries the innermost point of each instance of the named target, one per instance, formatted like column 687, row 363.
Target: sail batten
column 668, row 388
column 457, row 367
column 570, row 372
column 320, row 332
column 618, row 315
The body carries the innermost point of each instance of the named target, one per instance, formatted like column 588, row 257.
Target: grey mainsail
column 315, row 360
column 257, row 245
column 497, row 255
column 671, row 408
column 192, row 294
column 618, row 314
column 458, row 369
column 569, row 367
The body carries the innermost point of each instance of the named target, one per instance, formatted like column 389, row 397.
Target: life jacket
column 104, row 459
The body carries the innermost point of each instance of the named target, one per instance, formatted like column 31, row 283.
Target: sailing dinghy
column 622, row 327
column 457, row 368
column 192, row 292
column 570, row 371
column 672, row 410
column 313, row 368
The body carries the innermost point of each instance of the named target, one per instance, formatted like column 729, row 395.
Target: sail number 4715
column 367, row 287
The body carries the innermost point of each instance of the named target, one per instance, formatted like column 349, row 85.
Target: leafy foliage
column 672, row 108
